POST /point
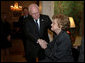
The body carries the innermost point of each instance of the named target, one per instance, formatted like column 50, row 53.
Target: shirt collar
column 37, row 19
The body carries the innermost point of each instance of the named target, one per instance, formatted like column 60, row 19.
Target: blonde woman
column 59, row 50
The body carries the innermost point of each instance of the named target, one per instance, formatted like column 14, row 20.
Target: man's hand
column 42, row 43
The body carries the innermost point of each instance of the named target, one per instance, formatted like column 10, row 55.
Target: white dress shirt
column 38, row 21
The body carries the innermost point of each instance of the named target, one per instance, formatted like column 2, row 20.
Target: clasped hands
column 42, row 43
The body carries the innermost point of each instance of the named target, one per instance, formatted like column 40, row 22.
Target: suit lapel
column 32, row 24
column 41, row 23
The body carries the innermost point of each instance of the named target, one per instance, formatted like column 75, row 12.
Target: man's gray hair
column 32, row 5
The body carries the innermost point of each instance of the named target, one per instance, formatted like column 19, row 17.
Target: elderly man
column 35, row 28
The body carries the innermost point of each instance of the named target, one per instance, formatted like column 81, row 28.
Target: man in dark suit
column 21, row 22
column 24, row 16
column 35, row 28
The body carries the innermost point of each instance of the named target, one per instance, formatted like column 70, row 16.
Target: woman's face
column 54, row 25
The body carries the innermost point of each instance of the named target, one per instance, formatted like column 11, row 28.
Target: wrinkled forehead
column 33, row 7
column 34, row 10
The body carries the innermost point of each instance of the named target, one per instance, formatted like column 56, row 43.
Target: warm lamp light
column 72, row 23
column 16, row 7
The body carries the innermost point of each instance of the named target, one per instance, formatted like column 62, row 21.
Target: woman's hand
column 42, row 43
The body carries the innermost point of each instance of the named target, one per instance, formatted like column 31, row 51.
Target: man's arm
column 28, row 34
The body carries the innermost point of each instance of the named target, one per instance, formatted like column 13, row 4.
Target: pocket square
column 42, row 20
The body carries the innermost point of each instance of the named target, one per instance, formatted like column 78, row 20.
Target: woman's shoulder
column 64, row 35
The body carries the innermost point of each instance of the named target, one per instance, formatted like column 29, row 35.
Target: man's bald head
column 34, row 10
column 33, row 6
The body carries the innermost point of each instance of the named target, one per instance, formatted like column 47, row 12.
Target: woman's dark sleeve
column 59, row 50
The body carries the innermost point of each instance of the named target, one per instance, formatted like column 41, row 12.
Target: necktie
column 37, row 26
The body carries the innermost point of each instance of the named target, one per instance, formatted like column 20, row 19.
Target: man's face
column 25, row 12
column 35, row 13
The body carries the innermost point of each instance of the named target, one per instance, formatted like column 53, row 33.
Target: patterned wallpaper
column 74, row 9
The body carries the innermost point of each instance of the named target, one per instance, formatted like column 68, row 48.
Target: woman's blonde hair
column 62, row 21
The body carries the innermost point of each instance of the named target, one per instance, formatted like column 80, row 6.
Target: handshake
column 42, row 43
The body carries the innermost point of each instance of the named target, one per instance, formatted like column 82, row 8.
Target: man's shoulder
column 42, row 15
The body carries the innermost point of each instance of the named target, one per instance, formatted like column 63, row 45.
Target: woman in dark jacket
column 81, row 55
column 59, row 50
column 5, row 34
column 5, row 37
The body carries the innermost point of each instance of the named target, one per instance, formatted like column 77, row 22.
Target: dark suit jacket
column 5, row 31
column 31, row 36
column 59, row 50
column 21, row 22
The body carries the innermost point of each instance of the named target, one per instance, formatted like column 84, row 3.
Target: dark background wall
column 6, row 11
column 10, row 15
